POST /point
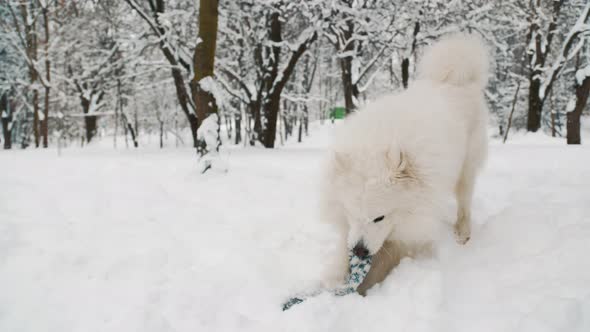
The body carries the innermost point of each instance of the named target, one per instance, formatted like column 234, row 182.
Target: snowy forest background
column 106, row 231
column 74, row 72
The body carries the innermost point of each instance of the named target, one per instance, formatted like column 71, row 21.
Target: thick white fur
column 459, row 60
column 405, row 156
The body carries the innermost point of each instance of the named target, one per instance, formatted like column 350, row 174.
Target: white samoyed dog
column 397, row 163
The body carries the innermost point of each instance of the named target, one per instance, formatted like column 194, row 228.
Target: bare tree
column 573, row 43
column 26, row 28
column 274, row 60
column 539, row 47
column 174, row 54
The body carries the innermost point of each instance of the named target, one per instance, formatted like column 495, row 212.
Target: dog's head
column 373, row 189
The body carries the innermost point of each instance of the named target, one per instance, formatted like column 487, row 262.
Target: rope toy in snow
column 359, row 267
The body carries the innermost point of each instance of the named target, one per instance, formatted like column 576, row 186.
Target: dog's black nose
column 360, row 250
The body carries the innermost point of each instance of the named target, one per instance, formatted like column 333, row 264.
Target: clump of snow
column 582, row 74
column 571, row 105
column 134, row 240
column 210, row 85
column 209, row 132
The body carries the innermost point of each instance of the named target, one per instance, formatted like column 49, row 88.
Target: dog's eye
column 378, row 219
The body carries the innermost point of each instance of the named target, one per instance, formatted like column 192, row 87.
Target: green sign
column 337, row 112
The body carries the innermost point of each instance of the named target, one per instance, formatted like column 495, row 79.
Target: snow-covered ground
column 105, row 240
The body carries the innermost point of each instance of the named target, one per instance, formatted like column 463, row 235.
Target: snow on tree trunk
column 209, row 142
column 90, row 103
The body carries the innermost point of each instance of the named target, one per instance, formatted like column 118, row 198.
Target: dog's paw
column 335, row 273
column 462, row 232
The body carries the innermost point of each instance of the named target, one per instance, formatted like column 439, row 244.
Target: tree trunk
column 118, row 109
column 405, row 72
column 161, row 134
column 350, row 89
column 129, row 127
column 287, row 118
column 281, row 125
column 346, row 46
column 204, row 62
column 7, row 131
column 535, row 104
column 573, row 118
column 238, row 128
column 514, row 100
column 256, row 112
column 300, row 131
column 228, row 127
column 135, row 121
column 183, row 100
column 31, row 42
column 553, row 116
column 36, row 117
column 305, row 120
column 25, row 135
column 271, row 112
column 406, row 60
column 288, row 127
column 133, row 135
column 89, row 121
column 6, row 117
column 271, row 103
column 45, row 122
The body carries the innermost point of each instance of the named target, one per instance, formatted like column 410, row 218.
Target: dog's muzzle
column 360, row 250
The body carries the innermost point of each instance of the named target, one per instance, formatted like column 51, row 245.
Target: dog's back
column 441, row 118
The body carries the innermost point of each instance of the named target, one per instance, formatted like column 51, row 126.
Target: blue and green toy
column 359, row 267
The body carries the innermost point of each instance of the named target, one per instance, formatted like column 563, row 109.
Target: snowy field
column 104, row 240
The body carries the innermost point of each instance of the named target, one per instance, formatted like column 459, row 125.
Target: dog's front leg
column 383, row 262
column 336, row 260
column 337, row 265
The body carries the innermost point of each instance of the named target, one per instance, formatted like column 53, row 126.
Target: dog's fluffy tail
column 460, row 60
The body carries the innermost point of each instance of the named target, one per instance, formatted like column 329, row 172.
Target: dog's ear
column 401, row 167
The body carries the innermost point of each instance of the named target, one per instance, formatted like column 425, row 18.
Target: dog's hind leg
column 464, row 192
